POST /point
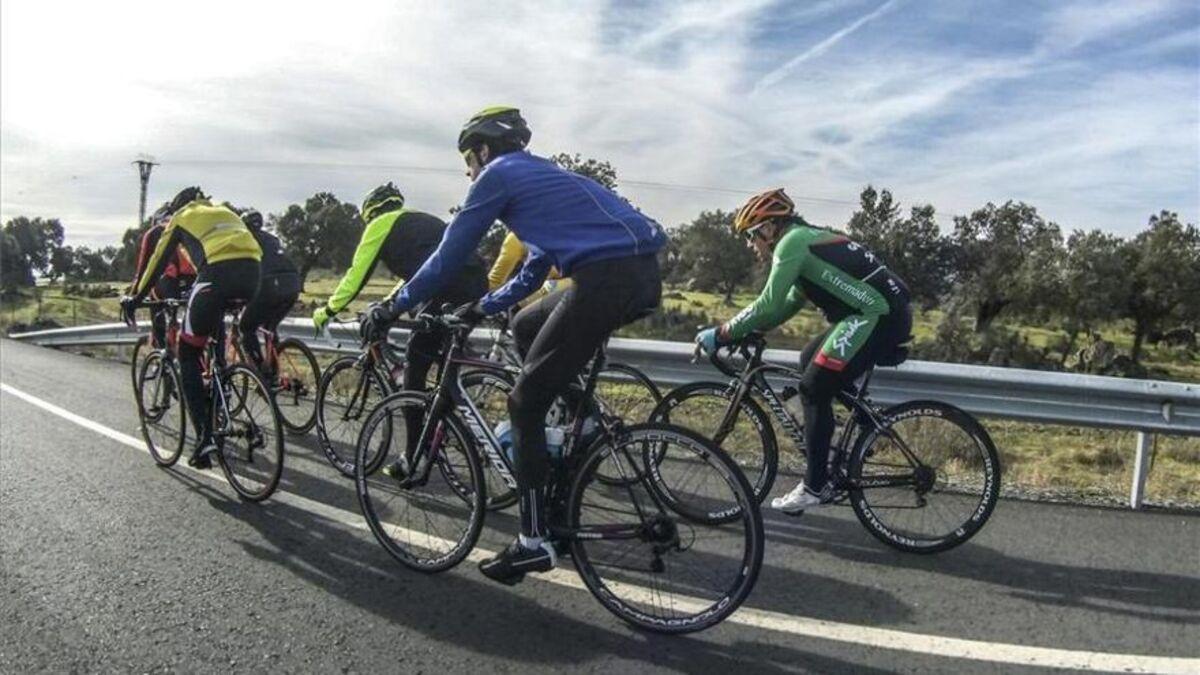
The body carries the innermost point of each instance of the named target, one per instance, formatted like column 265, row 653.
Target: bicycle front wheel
column 347, row 394
column 749, row 438
column 160, row 408
column 430, row 515
column 250, row 438
column 925, row 481
column 650, row 564
column 296, row 392
column 140, row 349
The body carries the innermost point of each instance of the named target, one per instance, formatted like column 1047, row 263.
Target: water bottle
column 503, row 433
column 554, row 440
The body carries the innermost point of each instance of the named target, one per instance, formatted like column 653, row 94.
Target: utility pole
column 144, row 164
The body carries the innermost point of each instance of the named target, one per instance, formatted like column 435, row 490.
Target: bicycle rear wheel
column 296, row 392
column 346, row 396
column 160, row 408
column 648, row 563
column 428, row 521
column 927, row 480
column 250, row 442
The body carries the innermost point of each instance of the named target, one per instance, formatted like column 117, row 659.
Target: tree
column 1164, row 270
column 62, row 263
column 323, row 232
column 599, row 171
column 14, row 265
column 914, row 247
column 711, row 256
column 37, row 239
column 1004, row 255
column 1095, row 278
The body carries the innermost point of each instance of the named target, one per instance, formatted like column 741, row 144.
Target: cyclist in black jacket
column 279, row 287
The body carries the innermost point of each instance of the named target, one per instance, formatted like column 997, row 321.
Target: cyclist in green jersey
column 867, row 305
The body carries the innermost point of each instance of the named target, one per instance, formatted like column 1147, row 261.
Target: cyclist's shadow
column 479, row 615
column 1043, row 582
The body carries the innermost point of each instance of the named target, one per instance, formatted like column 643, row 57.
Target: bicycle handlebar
column 750, row 348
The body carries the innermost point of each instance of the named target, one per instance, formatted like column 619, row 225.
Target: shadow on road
column 481, row 616
column 1143, row 595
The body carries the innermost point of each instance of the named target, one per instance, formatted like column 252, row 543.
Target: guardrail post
column 1141, row 467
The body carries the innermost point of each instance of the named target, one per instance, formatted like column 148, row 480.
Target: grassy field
column 1052, row 459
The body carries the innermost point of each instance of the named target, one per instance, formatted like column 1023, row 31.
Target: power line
column 652, row 185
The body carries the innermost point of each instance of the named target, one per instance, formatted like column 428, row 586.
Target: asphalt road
column 110, row 563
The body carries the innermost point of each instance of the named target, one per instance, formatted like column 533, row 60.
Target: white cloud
column 279, row 100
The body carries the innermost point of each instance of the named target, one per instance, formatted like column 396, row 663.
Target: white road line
column 883, row 638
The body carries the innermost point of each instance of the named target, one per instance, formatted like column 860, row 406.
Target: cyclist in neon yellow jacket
column 867, row 305
column 403, row 239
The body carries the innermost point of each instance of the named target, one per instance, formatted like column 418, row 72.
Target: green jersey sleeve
column 365, row 258
column 780, row 299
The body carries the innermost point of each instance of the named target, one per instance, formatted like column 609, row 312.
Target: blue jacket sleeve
column 485, row 201
column 533, row 273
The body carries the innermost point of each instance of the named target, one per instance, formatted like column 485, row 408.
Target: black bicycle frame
column 449, row 396
column 863, row 416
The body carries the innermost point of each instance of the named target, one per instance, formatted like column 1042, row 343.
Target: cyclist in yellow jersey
column 512, row 254
column 226, row 256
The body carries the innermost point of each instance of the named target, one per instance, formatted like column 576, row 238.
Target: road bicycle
column 291, row 368
column 352, row 385
column 675, row 545
column 246, row 425
column 922, row 476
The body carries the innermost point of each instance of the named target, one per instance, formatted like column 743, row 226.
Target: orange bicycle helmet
column 762, row 208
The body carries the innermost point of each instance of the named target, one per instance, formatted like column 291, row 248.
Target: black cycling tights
column 820, row 384
column 558, row 335
column 218, row 286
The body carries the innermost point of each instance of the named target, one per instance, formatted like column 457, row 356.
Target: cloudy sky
column 1089, row 110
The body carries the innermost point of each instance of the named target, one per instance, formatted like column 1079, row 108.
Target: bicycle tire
column 762, row 451
column 626, row 599
column 254, row 411
column 298, row 407
column 868, row 513
column 345, row 434
column 135, row 362
column 373, row 487
column 164, row 451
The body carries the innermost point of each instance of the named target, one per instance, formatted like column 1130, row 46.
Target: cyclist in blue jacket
column 569, row 222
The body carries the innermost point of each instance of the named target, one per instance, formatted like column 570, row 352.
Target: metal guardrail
column 1148, row 407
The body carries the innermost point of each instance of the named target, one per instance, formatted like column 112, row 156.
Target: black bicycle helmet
column 386, row 197
column 501, row 124
column 252, row 218
column 186, row 196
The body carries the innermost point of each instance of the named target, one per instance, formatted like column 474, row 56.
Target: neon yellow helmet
column 382, row 199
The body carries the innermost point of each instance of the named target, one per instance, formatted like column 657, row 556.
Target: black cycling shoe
column 510, row 565
column 202, row 456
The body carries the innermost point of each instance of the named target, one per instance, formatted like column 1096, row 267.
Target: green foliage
column 912, row 247
column 323, row 232
column 1164, row 285
column 710, row 256
column 36, row 239
column 14, row 265
column 599, row 171
column 1006, row 255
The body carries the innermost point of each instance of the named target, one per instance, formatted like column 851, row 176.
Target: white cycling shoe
column 800, row 499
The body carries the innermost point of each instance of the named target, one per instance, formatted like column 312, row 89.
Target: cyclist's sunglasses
column 752, row 233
